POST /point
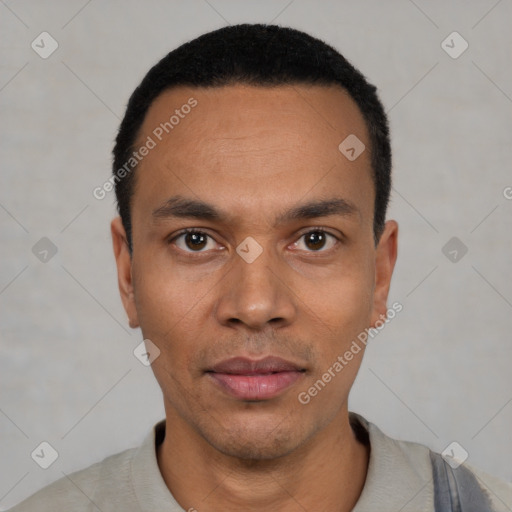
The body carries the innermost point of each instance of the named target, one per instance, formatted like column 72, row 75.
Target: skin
column 254, row 153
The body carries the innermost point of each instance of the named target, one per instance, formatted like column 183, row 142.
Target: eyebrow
column 318, row 208
column 180, row 207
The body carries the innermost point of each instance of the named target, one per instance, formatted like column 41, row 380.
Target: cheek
column 343, row 300
column 168, row 310
column 343, row 312
column 167, row 305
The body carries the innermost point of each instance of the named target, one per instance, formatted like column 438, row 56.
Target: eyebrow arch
column 180, row 207
column 318, row 208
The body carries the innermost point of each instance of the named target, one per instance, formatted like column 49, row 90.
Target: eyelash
column 196, row 230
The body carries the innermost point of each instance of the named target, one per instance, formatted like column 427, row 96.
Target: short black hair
column 258, row 55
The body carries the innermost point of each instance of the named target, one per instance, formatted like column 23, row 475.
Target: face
column 281, row 261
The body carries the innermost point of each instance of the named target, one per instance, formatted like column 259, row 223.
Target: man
column 252, row 172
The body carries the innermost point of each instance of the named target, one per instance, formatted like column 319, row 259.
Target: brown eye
column 315, row 240
column 195, row 241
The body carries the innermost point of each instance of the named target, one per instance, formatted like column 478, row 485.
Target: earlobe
column 385, row 258
column 124, row 270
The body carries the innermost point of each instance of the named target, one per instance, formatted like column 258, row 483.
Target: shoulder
column 498, row 491
column 412, row 477
column 105, row 482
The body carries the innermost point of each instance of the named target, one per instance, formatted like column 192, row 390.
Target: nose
column 256, row 294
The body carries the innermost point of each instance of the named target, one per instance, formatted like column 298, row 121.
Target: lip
column 254, row 380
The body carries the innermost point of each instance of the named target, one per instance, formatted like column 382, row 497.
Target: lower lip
column 256, row 387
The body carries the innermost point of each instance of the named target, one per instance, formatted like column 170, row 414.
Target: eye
column 315, row 241
column 191, row 240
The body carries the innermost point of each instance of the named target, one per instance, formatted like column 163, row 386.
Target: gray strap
column 457, row 490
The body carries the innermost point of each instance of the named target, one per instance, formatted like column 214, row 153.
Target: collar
column 147, row 481
column 399, row 473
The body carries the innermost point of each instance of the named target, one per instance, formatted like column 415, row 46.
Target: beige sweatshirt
column 399, row 479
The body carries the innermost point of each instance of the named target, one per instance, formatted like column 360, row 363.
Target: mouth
column 252, row 380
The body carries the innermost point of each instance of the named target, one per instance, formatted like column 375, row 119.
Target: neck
column 326, row 473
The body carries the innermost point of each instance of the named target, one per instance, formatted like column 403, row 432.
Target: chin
column 258, row 443
column 256, row 449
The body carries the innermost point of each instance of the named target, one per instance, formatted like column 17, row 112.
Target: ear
column 385, row 259
column 124, row 270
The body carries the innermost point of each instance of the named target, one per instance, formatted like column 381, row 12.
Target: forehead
column 244, row 143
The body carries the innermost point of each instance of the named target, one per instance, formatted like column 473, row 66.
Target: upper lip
column 246, row 366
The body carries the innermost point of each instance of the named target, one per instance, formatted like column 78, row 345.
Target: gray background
column 439, row 372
